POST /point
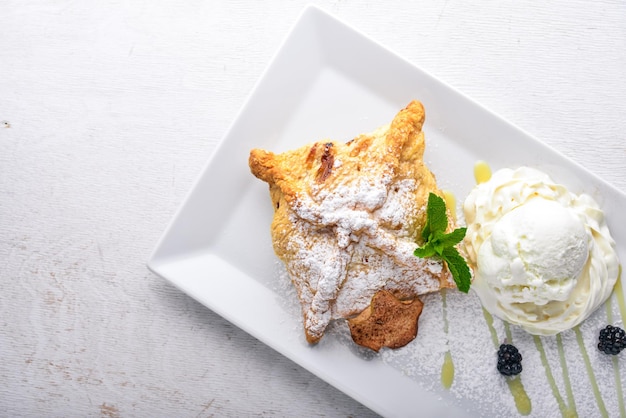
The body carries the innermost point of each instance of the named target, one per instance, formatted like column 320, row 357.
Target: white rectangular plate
column 329, row 81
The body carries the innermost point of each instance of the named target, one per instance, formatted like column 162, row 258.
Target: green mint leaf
column 436, row 217
column 436, row 212
column 439, row 247
column 458, row 267
column 426, row 230
column 453, row 238
column 425, row 251
column 439, row 244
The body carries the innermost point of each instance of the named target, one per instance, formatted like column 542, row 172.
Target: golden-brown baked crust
column 347, row 217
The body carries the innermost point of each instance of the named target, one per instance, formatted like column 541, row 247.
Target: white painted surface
column 112, row 109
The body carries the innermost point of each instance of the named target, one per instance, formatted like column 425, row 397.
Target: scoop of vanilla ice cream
column 535, row 253
column 543, row 257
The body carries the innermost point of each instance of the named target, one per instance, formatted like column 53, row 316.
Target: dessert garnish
column 509, row 360
column 612, row 340
column 388, row 322
column 441, row 244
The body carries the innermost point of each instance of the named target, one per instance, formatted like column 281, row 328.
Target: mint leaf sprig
column 441, row 245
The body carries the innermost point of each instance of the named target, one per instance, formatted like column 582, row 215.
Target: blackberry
column 612, row 340
column 509, row 360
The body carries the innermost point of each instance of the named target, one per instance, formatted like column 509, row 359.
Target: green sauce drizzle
column 571, row 410
column 592, row 377
column 565, row 410
column 447, row 369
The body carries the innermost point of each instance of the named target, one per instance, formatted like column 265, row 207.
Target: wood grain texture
column 111, row 109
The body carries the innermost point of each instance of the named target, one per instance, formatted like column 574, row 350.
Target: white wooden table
column 110, row 109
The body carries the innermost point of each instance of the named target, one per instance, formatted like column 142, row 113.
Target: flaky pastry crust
column 348, row 216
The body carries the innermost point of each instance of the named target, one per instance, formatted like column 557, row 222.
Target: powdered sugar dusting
column 477, row 386
column 352, row 242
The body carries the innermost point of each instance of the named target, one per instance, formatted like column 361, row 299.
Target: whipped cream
column 543, row 257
